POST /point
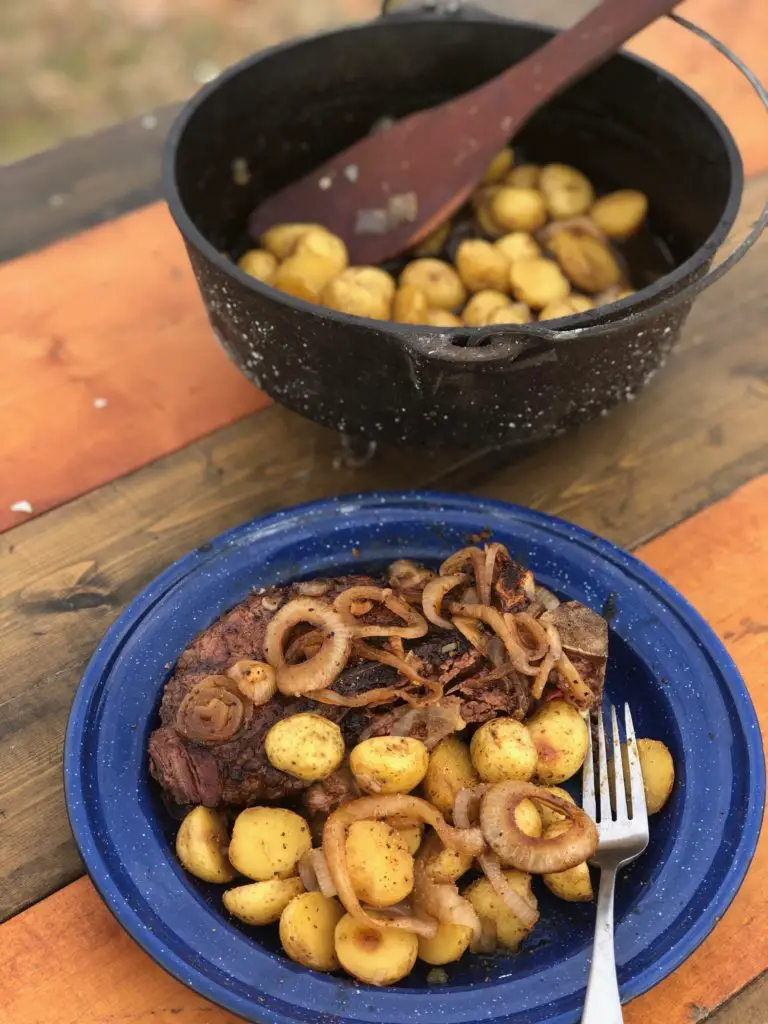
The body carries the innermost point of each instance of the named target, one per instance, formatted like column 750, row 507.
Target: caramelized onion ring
column 528, row 853
column 550, row 660
column 485, row 584
column 495, row 620
column 415, row 625
column 471, row 630
column 435, row 689
column 212, row 711
column 318, row 672
column 526, row 624
column 434, row 594
column 305, row 646
column 460, row 560
column 441, row 900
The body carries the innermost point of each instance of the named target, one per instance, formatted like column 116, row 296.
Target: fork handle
column 603, row 1003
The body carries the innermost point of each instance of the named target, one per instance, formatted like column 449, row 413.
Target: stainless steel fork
column 623, row 835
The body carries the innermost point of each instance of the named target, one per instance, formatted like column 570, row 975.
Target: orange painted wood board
column 66, row 961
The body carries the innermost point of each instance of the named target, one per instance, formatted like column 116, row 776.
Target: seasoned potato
column 356, row 291
column 304, row 275
column 538, row 282
column 573, row 885
column 658, row 772
column 483, row 213
column 512, row 313
column 481, row 265
column 499, row 166
column 519, row 209
column 449, row 770
column 482, row 306
column 620, row 214
column 567, row 191
column 587, row 261
column 434, row 242
column 503, row 749
column 449, row 945
column 307, row 928
column 409, row 305
column 326, row 246
column 559, row 734
column 524, row 176
column 411, row 836
column 262, row 902
column 510, row 930
column 268, row 841
column 377, row 956
column 448, row 865
column 549, row 816
column 281, row 240
column 442, row 318
column 389, row 764
column 259, row 264
column 528, row 818
column 518, row 245
column 306, row 746
column 201, row 845
column 379, row 864
column 574, row 303
column 437, row 280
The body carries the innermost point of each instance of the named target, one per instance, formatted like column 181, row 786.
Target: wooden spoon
column 391, row 189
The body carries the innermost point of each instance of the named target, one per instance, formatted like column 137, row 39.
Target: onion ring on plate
column 415, row 624
column 434, row 594
column 495, row 620
column 551, row 659
column 320, row 671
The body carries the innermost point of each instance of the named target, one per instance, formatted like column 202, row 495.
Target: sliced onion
column 546, row 598
column 471, row 630
column 529, row 629
column 323, row 875
column 313, row 588
column 307, row 873
column 408, row 579
column 549, row 662
column 529, row 853
column 485, row 943
column 520, row 907
column 459, row 561
column 485, row 584
column 440, row 900
column 434, row 595
column 495, row 620
column 578, row 689
column 255, row 680
column 320, row 671
column 371, row 698
column 415, row 625
column 212, row 711
column 306, row 645
column 401, row 665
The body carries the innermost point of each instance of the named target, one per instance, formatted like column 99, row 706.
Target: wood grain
column 699, row 431
column 70, row 961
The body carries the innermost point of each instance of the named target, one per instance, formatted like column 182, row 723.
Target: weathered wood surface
column 70, row 961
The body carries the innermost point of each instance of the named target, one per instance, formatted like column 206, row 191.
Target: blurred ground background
column 71, row 66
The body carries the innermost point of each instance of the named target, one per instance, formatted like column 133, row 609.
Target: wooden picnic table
column 128, row 439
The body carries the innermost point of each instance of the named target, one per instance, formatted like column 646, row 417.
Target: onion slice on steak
column 551, row 659
column 434, row 595
column 212, row 711
column 320, row 671
column 414, row 624
column 495, row 621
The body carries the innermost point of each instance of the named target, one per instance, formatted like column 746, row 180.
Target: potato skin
column 538, row 282
column 281, row 240
column 510, row 930
column 260, row 264
column 306, row 746
column 499, row 166
column 573, row 885
column 438, row 280
column 502, row 749
column 482, row 306
column 559, row 734
column 449, row 945
column 518, row 245
column 528, row 818
column 482, row 265
column 409, row 305
column 411, row 836
column 389, row 764
column 449, row 770
column 658, row 773
column 519, row 209
column 448, row 865
column 201, row 846
column 303, row 275
column 620, row 214
column 268, row 841
column 307, row 927
column 549, row 816
column 568, row 192
column 262, row 902
column 379, row 863
column 325, row 246
column 377, row 956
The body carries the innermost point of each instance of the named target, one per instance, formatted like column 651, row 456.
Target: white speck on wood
column 21, row 506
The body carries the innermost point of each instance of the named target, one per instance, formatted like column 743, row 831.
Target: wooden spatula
column 389, row 190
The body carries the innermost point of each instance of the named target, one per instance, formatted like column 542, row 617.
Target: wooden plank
column 69, row 956
column 698, row 432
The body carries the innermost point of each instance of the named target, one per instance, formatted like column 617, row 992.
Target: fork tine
column 605, row 788
column 637, row 790
column 618, row 770
column 588, row 778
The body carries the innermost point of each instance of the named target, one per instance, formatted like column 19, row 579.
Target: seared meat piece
column 584, row 636
column 189, row 775
column 481, row 701
column 324, row 797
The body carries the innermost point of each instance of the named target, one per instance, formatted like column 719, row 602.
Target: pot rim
column 641, row 306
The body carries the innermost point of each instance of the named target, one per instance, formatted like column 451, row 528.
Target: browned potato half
column 482, row 306
column 559, row 734
column 512, row 313
column 519, row 209
column 259, row 263
column 379, row 863
column 307, row 746
column 538, row 282
column 409, row 305
column 304, row 275
column 268, row 842
column 307, row 930
column 573, row 885
column 433, row 243
column 262, row 902
column 389, row 764
column 351, row 292
column 442, row 318
column 377, row 956
column 524, row 176
column 575, row 303
column 448, row 865
column 567, row 191
column 449, row 945
column 528, row 819
column 502, row 749
column 499, row 166
column 201, row 845
column 282, row 238
column 481, row 265
column 549, row 816
column 620, row 214
column 449, row 770
column 658, row 772
column 587, row 261
column 518, row 245
column 437, row 280
column 328, row 247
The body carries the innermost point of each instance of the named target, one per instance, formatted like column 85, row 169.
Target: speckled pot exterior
column 680, row 681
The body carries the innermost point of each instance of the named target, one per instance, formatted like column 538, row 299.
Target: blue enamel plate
column 680, row 682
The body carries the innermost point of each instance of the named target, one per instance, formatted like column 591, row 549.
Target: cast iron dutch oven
column 276, row 115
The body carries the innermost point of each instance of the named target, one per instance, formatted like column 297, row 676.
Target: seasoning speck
column 21, row 506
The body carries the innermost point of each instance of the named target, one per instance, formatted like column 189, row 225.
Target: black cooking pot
column 276, row 115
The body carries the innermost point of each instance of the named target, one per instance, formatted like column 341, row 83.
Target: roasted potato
column 281, row 240
column 306, row 746
column 519, row 209
column 434, row 242
column 528, row 818
column 351, row 293
column 524, row 176
column 559, row 734
column 389, row 764
column 262, row 902
column 326, row 246
column 307, row 930
column 512, row 313
column 449, row 945
column 518, row 245
column 538, row 282
column 437, row 280
column 442, row 318
column 411, row 836
column 499, row 166
column 481, row 265
column 409, row 305
column 449, row 770
column 268, row 841
column 377, row 956
column 482, row 306
column 658, row 772
column 573, row 885
column 549, row 816
column 588, row 262
column 510, row 930
column 304, row 275
column 201, row 845
column 259, row 264
column 481, row 201
column 620, row 214
column 575, row 303
column 448, row 865
column 379, row 864
column 567, row 191
column 503, row 749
